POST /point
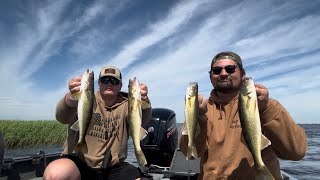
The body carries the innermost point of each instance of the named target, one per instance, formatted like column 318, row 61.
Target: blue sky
column 165, row 44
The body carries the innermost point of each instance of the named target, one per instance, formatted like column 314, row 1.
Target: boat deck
column 32, row 167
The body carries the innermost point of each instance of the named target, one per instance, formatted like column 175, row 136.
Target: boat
column 165, row 160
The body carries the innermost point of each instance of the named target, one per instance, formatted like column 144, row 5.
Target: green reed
column 18, row 133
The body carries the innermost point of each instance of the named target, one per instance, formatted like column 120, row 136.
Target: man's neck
column 226, row 97
column 110, row 100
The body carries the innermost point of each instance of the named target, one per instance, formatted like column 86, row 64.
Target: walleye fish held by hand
column 85, row 99
column 135, row 106
column 251, row 127
column 191, row 118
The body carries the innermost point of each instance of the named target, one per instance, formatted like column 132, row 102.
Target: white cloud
column 260, row 36
column 155, row 33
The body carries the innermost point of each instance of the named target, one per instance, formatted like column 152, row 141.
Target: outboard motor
column 162, row 139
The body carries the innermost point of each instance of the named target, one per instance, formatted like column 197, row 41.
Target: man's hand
column 202, row 108
column 74, row 84
column 74, row 87
column 263, row 97
column 144, row 92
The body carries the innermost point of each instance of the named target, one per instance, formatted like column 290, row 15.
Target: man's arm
column 64, row 113
column 146, row 112
column 288, row 140
column 146, row 116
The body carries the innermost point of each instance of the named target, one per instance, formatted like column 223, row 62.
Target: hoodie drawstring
column 220, row 110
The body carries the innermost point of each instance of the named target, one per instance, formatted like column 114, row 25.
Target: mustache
column 223, row 80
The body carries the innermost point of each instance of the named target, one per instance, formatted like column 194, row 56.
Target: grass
column 18, row 133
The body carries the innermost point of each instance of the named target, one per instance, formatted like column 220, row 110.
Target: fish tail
column 264, row 174
column 79, row 146
column 141, row 158
column 191, row 153
column 264, row 177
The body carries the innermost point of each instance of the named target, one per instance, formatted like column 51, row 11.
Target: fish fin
column 191, row 153
column 75, row 96
column 143, row 133
column 248, row 103
column 184, row 130
column 145, row 105
column 265, row 142
column 75, row 126
column 141, row 158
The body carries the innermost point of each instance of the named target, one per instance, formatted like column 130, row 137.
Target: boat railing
column 18, row 165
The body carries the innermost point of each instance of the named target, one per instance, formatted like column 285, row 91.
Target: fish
column 135, row 106
column 251, row 127
column 85, row 98
column 191, row 118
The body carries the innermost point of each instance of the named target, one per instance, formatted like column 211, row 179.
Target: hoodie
column 222, row 148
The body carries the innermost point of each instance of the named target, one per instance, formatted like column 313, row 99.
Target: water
column 308, row 168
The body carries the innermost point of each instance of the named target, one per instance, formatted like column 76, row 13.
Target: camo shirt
column 223, row 150
column 108, row 130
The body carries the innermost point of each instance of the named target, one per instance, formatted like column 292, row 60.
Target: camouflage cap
column 110, row 71
column 227, row 55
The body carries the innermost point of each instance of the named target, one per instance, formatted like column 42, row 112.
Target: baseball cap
column 227, row 55
column 110, row 71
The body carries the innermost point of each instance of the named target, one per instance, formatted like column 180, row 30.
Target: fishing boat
column 165, row 160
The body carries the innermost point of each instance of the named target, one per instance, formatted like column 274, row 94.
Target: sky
column 165, row 44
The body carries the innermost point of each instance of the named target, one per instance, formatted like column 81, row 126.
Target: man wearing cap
column 107, row 135
column 219, row 142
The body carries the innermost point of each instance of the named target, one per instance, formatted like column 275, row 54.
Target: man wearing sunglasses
column 220, row 144
column 107, row 134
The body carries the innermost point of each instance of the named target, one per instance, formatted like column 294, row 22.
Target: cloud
column 170, row 77
column 276, row 40
column 155, row 33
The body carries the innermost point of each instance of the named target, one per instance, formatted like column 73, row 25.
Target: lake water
column 306, row 169
column 309, row 166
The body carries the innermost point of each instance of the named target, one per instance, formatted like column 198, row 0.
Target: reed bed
column 18, row 133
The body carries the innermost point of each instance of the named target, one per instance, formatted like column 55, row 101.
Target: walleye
column 85, row 99
column 191, row 118
column 135, row 106
column 251, row 127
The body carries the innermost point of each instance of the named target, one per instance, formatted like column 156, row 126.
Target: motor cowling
column 162, row 138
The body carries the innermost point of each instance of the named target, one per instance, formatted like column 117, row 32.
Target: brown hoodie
column 108, row 130
column 222, row 148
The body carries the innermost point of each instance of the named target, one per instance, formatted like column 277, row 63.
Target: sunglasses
column 229, row 69
column 112, row 80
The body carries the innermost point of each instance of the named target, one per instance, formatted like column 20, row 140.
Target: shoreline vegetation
column 31, row 133
column 22, row 133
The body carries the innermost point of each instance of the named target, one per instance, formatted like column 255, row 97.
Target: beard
column 225, row 86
